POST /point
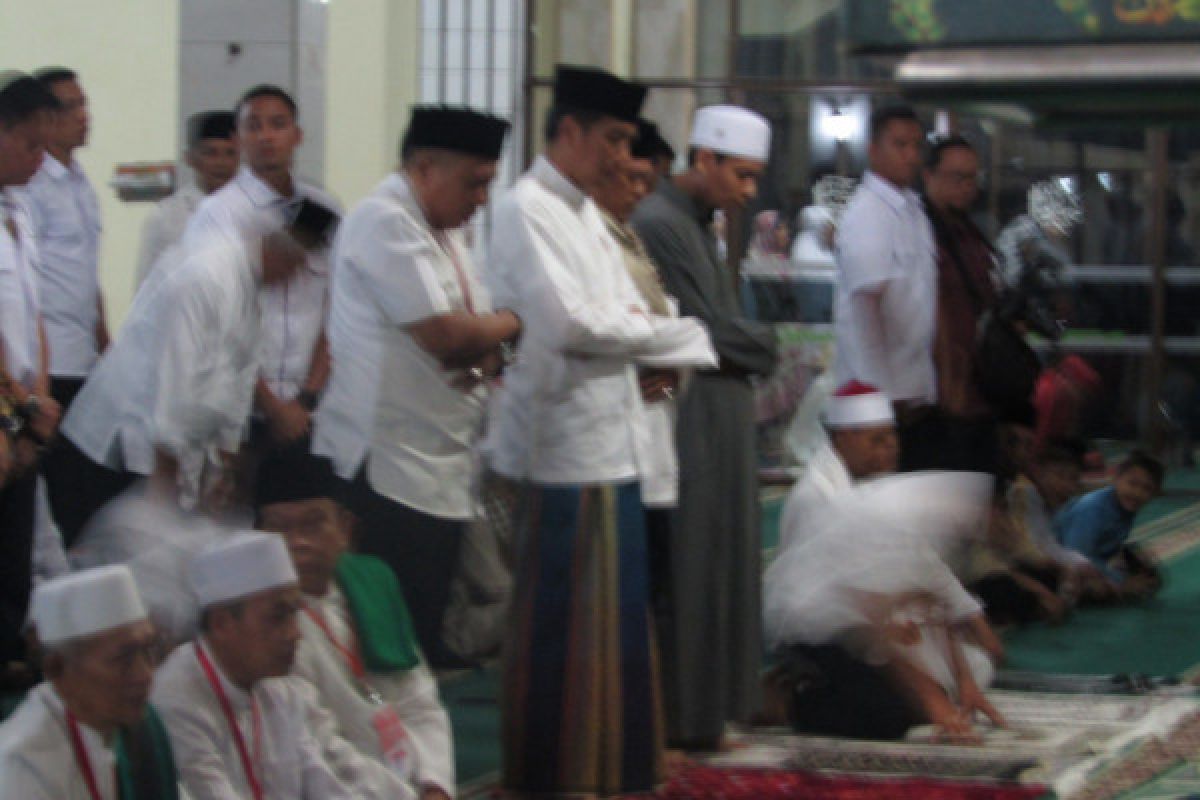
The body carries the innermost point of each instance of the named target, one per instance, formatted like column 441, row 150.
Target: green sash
column 385, row 630
column 145, row 763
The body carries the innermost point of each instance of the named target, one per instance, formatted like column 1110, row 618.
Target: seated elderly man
column 87, row 732
column 240, row 727
column 861, row 443
column 357, row 644
column 875, row 632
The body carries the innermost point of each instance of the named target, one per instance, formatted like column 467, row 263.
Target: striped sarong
column 581, row 706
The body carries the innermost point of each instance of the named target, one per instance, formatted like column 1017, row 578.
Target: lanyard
column 227, row 710
column 448, row 247
column 81, row 757
column 349, row 652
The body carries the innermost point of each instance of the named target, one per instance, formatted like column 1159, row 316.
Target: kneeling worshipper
column 357, row 643
column 87, row 732
column 861, row 443
column 240, row 726
column 877, row 632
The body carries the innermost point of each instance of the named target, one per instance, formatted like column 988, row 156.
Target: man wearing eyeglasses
column 966, row 436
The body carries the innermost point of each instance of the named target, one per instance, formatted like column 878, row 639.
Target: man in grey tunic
column 707, row 588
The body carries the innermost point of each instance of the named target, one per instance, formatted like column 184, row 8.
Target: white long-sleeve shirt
column 20, row 307
column 164, row 227
column 302, row 758
column 66, row 222
column 885, row 303
column 570, row 411
column 389, row 402
column 824, row 479
column 293, row 315
column 413, row 694
column 180, row 376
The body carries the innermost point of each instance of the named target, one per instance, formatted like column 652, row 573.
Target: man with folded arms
column 87, row 732
column 240, row 727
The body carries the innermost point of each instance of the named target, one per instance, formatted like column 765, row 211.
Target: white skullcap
column 85, row 603
column 732, row 131
column 242, row 565
column 858, row 405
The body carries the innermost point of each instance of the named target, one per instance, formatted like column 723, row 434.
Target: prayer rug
column 716, row 783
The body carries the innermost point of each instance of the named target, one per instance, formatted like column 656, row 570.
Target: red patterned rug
column 711, row 783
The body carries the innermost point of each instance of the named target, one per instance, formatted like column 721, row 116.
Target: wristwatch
column 308, row 399
column 11, row 424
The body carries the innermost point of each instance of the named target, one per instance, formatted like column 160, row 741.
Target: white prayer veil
column 882, row 539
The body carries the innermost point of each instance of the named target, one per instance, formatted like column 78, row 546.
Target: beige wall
column 127, row 55
column 371, row 75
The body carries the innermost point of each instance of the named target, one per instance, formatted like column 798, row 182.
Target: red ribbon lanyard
column 227, row 710
column 461, row 274
column 349, row 652
column 81, row 757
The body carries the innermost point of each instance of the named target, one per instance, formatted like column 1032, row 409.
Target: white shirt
column 885, row 245
column 389, row 401
column 37, row 761
column 293, row 315
column 301, row 755
column 180, row 376
column 164, row 227
column 413, row 694
column 825, row 478
column 570, row 411
column 66, row 221
column 19, row 305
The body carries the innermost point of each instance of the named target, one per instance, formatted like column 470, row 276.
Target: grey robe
column 709, row 591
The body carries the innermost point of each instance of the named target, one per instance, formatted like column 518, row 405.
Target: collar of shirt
column 401, row 190
column 895, row 197
column 100, row 752
column 548, row 175
column 239, row 698
column 685, row 202
column 621, row 232
column 255, row 188
column 57, row 170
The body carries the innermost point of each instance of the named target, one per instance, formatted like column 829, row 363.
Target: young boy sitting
column 1098, row 525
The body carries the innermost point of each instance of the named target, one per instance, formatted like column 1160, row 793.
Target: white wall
column 127, row 55
column 371, row 80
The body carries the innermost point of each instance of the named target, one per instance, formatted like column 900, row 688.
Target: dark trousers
column 17, row 509
column 835, row 694
column 932, row 439
column 79, row 487
column 423, row 552
column 63, row 390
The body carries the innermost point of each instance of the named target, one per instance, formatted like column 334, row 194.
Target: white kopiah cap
column 242, row 565
column 732, row 131
column 85, row 603
column 858, row 405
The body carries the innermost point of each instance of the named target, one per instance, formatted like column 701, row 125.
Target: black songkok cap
column 455, row 128
column 650, row 143
column 294, row 479
column 587, row 89
column 210, row 125
column 312, row 222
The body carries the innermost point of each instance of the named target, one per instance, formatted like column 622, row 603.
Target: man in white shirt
column 213, row 157
column 172, row 397
column 570, row 421
column 31, row 416
column 87, row 732
column 885, row 303
column 66, row 219
column 862, row 443
column 293, row 356
column 414, row 338
column 357, row 645
column 241, row 728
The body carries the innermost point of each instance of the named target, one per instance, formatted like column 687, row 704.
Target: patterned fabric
column 707, row 783
column 580, row 707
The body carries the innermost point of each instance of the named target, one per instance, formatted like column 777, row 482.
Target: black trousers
column 79, row 487
column 835, row 694
column 17, row 509
column 423, row 552
column 932, row 439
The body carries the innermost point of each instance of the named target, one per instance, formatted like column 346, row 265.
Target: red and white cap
column 858, row 405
